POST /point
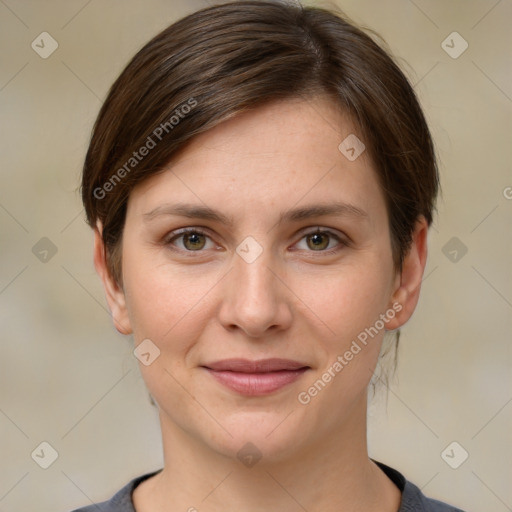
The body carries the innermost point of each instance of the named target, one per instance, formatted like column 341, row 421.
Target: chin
column 259, row 439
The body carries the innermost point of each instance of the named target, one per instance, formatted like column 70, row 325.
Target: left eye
column 319, row 241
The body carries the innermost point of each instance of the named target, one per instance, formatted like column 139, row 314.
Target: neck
column 327, row 474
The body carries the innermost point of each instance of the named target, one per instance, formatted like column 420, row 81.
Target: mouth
column 255, row 378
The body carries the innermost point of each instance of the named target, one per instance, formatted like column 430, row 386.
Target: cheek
column 348, row 304
column 170, row 307
column 348, row 299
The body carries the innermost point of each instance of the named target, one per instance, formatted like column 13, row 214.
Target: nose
column 254, row 299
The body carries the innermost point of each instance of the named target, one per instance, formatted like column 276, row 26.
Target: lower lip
column 255, row 384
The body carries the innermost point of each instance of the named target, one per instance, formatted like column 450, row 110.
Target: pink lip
column 256, row 377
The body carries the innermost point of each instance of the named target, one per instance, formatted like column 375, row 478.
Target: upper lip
column 260, row 366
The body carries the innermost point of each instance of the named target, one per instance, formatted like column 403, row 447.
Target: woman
column 260, row 182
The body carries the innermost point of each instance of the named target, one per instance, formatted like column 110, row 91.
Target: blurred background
column 70, row 381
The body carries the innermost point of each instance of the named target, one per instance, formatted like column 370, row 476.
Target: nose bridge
column 254, row 281
column 254, row 299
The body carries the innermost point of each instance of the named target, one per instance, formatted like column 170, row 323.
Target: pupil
column 194, row 240
column 319, row 240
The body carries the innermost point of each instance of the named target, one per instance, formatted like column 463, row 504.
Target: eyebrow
column 192, row 211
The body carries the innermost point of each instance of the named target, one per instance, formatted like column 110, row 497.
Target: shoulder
column 121, row 501
column 413, row 500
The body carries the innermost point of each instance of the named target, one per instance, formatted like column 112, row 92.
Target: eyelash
column 175, row 235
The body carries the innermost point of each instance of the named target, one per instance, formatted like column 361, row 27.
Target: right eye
column 190, row 240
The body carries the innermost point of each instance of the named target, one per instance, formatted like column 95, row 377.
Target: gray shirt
column 413, row 499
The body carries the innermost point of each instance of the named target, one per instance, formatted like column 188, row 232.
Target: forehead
column 292, row 128
column 283, row 153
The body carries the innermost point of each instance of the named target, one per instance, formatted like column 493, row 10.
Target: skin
column 294, row 301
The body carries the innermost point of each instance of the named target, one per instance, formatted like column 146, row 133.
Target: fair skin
column 200, row 302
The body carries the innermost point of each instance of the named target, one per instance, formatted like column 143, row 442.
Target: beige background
column 67, row 378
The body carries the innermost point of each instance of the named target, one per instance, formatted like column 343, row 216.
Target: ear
column 113, row 292
column 408, row 281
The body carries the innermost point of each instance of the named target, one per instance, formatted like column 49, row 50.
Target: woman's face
column 287, row 256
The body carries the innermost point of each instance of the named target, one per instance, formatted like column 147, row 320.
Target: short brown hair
column 225, row 59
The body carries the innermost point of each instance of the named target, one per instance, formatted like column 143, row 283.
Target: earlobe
column 408, row 282
column 113, row 292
